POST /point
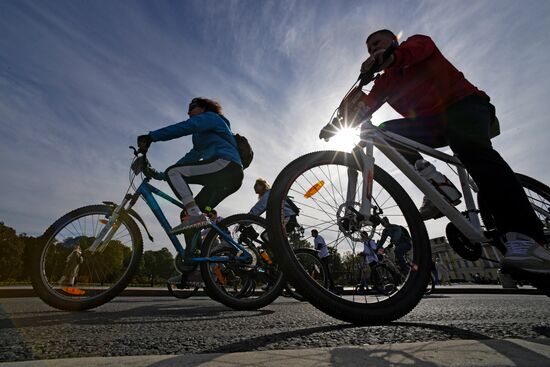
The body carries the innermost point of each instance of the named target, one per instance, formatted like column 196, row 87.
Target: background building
column 461, row 270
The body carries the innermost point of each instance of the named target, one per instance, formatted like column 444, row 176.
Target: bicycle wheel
column 67, row 275
column 309, row 260
column 384, row 281
column 318, row 182
column 238, row 285
column 431, row 286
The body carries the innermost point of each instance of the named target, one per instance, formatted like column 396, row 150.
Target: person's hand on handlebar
column 377, row 61
column 143, row 142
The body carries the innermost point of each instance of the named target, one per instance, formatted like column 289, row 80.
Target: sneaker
column 428, row 210
column 190, row 221
column 524, row 253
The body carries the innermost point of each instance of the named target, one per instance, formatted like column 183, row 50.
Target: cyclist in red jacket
column 441, row 107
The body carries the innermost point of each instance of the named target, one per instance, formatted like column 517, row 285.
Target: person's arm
column 260, row 206
column 396, row 234
column 195, row 124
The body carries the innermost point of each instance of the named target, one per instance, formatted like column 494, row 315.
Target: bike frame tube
column 146, row 190
column 377, row 137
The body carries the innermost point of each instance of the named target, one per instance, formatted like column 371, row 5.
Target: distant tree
column 157, row 265
column 297, row 241
column 11, row 254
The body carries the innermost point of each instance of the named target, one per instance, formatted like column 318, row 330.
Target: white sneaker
column 190, row 221
column 524, row 253
column 428, row 210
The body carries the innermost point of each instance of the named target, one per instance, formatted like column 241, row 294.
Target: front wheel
column 239, row 285
column 67, row 275
column 318, row 183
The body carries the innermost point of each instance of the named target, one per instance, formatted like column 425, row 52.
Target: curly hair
column 208, row 104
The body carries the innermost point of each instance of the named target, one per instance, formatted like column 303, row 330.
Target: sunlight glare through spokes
column 345, row 140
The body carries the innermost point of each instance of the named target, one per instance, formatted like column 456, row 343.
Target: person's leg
column 468, row 134
column 219, row 178
column 429, row 131
column 400, row 250
column 326, row 263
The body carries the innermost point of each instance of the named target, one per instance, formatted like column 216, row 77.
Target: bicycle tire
column 182, row 293
column 309, row 259
column 100, row 276
column 384, row 280
column 431, row 286
column 360, row 312
column 267, row 279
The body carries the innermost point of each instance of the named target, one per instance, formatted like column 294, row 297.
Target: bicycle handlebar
column 141, row 163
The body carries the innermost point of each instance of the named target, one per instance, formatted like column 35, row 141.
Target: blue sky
column 79, row 80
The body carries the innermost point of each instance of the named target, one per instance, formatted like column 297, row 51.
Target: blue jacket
column 212, row 138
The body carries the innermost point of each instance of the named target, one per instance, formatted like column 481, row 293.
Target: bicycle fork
column 110, row 228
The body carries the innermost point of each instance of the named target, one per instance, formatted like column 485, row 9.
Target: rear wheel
column 318, row 182
column 309, row 260
column 67, row 275
column 538, row 195
column 242, row 286
column 384, row 281
column 431, row 286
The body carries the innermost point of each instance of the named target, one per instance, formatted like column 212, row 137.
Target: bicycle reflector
column 73, row 291
column 314, row 189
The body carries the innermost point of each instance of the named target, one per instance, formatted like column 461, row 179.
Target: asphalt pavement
column 487, row 349
column 464, row 353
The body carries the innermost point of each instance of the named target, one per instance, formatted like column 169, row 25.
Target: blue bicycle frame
column 146, row 190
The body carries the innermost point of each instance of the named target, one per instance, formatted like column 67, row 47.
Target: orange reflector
column 103, row 221
column 219, row 275
column 266, row 257
column 314, row 189
column 73, row 291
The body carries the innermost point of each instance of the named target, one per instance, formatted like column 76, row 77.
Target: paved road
column 161, row 325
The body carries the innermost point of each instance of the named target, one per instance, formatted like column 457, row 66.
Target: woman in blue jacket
column 214, row 161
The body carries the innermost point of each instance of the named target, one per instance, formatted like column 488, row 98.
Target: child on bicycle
column 214, row 161
column 441, row 107
column 262, row 189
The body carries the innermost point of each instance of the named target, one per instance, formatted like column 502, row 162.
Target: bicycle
column 346, row 193
column 88, row 256
column 309, row 260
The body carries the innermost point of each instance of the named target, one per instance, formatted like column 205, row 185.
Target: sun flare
column 345, row 140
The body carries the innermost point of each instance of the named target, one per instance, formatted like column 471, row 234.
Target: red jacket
column 421, row 81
